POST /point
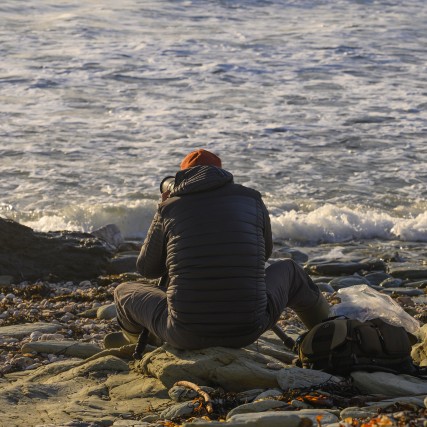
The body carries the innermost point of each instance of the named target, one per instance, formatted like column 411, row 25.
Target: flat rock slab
column 389, row 384
column 356, row 412
column 72, row 391
column 231, row 369
column 26, row 329
column 420, row 284
column 347, row 281
column 407, row 271
column 334, row 268
column 259, row 406
column 339, row 268
column 294, row 377
column 68, row 348
column 419, row 401
column 272, row 419
column 277, row 351
column 261, row 419
column 101, row 365
column 410, row 292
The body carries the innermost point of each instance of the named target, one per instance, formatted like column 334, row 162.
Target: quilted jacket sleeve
column 151, row 261
column 268, row 238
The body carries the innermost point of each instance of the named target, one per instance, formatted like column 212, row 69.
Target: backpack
column 340, row 346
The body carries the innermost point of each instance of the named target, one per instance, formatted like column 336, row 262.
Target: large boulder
column 29, row 255
column 231, row 369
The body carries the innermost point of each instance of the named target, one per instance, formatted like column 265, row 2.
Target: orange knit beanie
column 199, row 158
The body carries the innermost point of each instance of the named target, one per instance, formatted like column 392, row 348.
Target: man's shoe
column 115, row 340
column 119, row 339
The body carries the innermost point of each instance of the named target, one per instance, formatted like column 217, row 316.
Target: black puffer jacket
column 211, row 237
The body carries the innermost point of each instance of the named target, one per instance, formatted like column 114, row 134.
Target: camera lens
column 167, row 184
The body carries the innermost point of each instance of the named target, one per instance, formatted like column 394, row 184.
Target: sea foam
column 333, row 224
column 133, row 219
column 325, row 224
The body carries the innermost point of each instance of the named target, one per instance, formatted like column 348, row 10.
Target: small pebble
column 35, row 335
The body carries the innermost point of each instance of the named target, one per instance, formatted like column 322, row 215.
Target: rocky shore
column 54, row 371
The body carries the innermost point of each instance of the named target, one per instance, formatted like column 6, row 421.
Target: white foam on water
column 412, row 229
column 316, row 101
column 334, row 224
column 133, row 219
column 314, row 224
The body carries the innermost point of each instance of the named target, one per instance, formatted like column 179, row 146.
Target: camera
column 167, row 184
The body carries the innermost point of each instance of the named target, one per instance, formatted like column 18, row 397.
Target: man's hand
column 165, row 195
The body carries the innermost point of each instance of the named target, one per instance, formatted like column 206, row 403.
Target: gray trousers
column 141, row 305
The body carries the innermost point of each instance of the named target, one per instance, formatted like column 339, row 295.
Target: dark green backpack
column 340, row 346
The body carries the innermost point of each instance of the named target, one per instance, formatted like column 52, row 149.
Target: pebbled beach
column 54, row 371
column 320, row 106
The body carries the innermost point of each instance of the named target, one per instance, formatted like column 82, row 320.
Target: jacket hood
column 200, row 178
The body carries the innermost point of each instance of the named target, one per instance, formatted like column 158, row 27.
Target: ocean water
column 319, row 105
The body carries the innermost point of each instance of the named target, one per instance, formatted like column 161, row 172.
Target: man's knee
column 284, row 263
column 287, row 271
column 282, row 267
column 118, row 292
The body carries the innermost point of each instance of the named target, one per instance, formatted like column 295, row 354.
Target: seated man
column 209, row 242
